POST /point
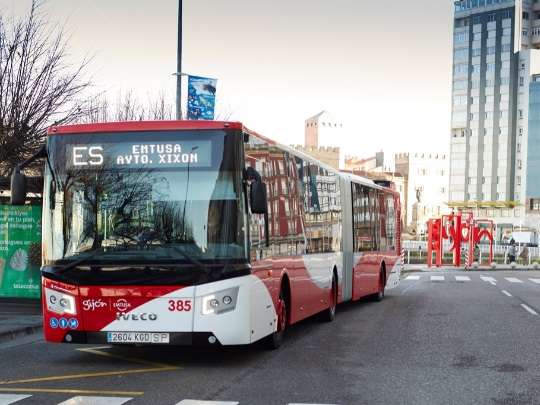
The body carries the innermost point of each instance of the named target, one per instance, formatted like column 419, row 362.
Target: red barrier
column 458, row 229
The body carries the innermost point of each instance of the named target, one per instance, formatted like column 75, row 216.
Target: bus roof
column 136, row 126
column 304, row 156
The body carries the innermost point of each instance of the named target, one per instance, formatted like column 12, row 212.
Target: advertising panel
column 20, row 251
column 201, row 98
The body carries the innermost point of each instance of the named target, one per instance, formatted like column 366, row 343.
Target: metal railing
column 415, row 252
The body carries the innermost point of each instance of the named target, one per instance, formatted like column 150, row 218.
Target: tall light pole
column 179, row 65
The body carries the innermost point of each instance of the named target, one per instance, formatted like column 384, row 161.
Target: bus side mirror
column 258, row 200
column 18, row 187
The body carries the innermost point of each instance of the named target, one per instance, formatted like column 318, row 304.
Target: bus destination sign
column 152, row 155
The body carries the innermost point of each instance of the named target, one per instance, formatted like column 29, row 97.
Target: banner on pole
column 201, row 98
column 20, row 251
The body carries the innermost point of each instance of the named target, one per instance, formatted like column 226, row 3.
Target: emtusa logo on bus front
column 122, row 305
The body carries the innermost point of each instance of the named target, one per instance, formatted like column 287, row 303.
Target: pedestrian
column 524, row 255
column 512, row 251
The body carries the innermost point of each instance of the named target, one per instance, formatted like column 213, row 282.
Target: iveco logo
column 136, row 317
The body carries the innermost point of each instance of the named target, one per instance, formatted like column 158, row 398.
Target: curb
column 20, row 332
column 478, row 269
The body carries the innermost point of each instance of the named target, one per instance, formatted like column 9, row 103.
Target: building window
column 461, row 37
column 461, row 69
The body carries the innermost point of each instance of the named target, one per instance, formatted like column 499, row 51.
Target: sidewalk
column 500, row 267
column 19, row 317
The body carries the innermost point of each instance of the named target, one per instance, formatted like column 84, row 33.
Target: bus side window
column 364, row 218
column 391, row 222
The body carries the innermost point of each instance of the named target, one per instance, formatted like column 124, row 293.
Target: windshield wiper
column 77, row 262
column 191, row 260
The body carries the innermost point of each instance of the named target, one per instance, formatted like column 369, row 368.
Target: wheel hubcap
column 333, row 298
column 282, row 314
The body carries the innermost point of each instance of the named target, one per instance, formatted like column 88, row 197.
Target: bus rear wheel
column 329, row 314
column 379, row 296
column 275, row 340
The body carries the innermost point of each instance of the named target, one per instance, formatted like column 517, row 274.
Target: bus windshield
column 144, row 197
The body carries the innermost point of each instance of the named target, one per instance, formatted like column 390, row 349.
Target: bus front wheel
column 275, row 340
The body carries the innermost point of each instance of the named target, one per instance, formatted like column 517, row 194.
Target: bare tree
column 159, row 108
column 38, row 86
column 128, row 108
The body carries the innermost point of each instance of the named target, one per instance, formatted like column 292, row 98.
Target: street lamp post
column 179, row 65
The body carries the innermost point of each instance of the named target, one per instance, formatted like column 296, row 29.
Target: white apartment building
column 426, row 188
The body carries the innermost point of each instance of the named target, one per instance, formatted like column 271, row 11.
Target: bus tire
column 379, row 296
column 275, row 340
column 329, row 314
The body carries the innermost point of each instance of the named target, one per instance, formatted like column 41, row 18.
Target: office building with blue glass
column 496, row 57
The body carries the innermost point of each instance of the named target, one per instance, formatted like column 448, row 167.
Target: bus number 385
column 180, row 305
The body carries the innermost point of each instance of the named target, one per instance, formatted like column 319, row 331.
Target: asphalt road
column 464, row 340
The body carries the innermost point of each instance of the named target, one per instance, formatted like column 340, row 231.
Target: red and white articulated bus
column 201, row 233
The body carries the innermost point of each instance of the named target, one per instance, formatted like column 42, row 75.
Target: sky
column 382, row 67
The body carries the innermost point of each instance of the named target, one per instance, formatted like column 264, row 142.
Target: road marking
column 157, row 367
column 87, row 375
column 463, row 278
column 506, row 293
column 413, row 278
column 79, row 392
column 309, row 404
column 96, row 401
column 488, row 279
column 529, row 309
column 196, row 402
column 535, row 280
column 94, row 350
column 6, row 399
column 437, row 278
column 513, row 280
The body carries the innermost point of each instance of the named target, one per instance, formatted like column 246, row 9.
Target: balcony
column 535, row 31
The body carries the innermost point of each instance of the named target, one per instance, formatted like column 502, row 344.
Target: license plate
column 137, row 337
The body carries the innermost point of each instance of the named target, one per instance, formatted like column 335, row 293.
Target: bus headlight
column 60, row 303
column 220, row 302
